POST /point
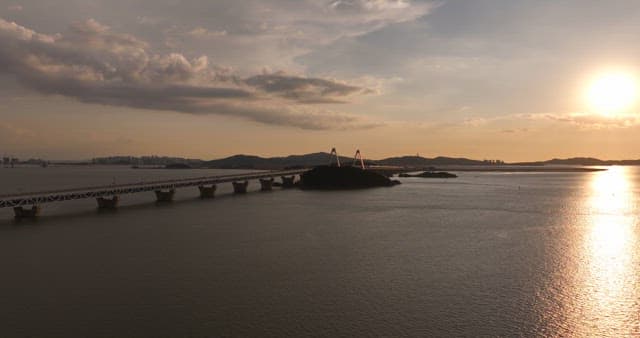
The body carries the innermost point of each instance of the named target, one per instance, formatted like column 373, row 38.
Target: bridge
column 107, row 196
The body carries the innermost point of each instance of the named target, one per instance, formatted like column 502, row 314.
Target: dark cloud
column 304, row 89
column 93, row 64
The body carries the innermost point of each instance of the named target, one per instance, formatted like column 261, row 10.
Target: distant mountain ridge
column 308, row 160
column 416, row 161
column 581, row 161
column 256, row 162
column 313, row 159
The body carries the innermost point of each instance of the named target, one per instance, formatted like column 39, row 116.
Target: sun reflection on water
column 607, row 294
column 611, row 210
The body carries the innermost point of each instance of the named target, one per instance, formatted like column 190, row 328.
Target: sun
column 612, row 93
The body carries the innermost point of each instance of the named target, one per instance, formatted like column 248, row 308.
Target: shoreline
column 521, row 169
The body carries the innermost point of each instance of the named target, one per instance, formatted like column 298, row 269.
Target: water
column 486, row 254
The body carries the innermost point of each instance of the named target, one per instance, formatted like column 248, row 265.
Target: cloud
column 11, row 134
column 323, row 21
column 15, row 8
column 380, row 11
column 304, row 89
column 475, row 121
column 275, row 32
column 147, row 20
column 205, row 33
column 93, row 64
column 513, row 131
column 368, row 5
column 591, row 120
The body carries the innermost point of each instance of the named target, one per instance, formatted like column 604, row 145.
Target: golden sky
column 510, row 80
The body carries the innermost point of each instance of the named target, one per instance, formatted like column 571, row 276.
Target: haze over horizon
column 348, row 157
column 498, row 79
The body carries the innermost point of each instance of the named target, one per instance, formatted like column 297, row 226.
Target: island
column 345, row 177
column 431, row 174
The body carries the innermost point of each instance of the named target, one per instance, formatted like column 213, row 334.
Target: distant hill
column 145, row 160
column 256, row 162
column 581, row 161
column 314, row 159
column 417, row 161
column 309, row 160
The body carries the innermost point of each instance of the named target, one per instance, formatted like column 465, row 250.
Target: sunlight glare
column 612, row 93
column 609, row 252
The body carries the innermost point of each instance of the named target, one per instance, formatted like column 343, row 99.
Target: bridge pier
column 107, row 203
column 165, row 196
column 26, row 204
column 266, row 184
column 207, row 191
column 21, row 212
column 288, row 181
column 240, row 187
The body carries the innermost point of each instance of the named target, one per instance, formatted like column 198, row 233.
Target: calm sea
column 486, row 254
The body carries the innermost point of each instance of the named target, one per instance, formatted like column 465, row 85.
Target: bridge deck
column 39, row 197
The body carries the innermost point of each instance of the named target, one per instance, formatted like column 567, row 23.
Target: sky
column 483, row 79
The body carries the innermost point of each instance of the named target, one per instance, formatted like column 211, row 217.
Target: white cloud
column 201, row 32
column 591, row 120
column 96, row 65
column 15, row 8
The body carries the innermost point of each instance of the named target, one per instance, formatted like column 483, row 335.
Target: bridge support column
column 165, row 196
column 22, row 212
column 240, row 187
column 266, row 184
column 288, row 181
column 107, row 203
column 207, row 192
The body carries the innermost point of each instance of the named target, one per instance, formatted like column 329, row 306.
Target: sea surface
column 485, row 254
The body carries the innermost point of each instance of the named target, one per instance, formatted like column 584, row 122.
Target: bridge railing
column 39, row 197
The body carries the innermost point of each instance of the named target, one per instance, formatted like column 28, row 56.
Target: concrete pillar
column 240, row 187
column 207, row 192
column 165, row 196
column 288, row 181
column 266, row 184
column 108, row 203
column 22, row 212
